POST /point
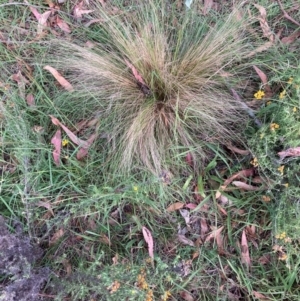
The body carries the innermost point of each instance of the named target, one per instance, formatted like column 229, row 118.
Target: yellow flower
column 282, row 256
column 254, row 162
column 135, row 188
column 281, row 235
column 149, row 296
column 166, row 296
column 290, row 80
column 114, row 287
column 259, row 94
column 280, row 169
column 274, row 126
column 295, row 109
column 282, row 94
column 286, row 185
column 269, row 102
column 266, row 198
column 65, row 142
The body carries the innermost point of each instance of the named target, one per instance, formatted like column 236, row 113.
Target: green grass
column 88, row 214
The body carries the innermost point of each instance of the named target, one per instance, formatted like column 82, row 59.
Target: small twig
column 248, row 110
column 286, row 15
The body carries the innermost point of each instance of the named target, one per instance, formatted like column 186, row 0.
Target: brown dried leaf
column 22, row 82
column 62, row 25
column 290, row 152
column 47, row 205
column 56, row 236
column 70, row 134
column 149, row 240
column 245, row 173
column 245, row 256
column 83, row 151
column 186, row 296
column 261, row 48
column 33, row 10
column 267, row 32
column 208, row 4
column 204, row 227
column 260, row 296
column 244, row 186
column 56, row 141
column 62, row 81
column 215, row 235
column 175, row 206
column 79, row 10
column 42, row 22
column 136, row 74
column 264, row 80
column 67, row 265
column 104, row 239
column 291, row 38
column 238, row 151
column 30, row 100
column 191, row 206
column 185, row 241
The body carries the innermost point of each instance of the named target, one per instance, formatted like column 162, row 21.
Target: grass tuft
column 159, row 83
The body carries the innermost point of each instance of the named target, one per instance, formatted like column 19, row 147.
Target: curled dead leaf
column 62, row 81
column 245, row 186
column 149, row 240
column 245, row 256
column 175, row 206
column 56, row 141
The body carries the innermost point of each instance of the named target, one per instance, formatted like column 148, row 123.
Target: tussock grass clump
column 159, row 82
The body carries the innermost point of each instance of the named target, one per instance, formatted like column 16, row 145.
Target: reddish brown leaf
column 149, row 240
column 62, row 81
column 47, row 205
column 245, row 173
column 42, row 22
column 186, row 296
column 175, row 206
column 62, row 25
column 264, row 80
column 79, row 10
column 104, row 239
column 189, row 159
column 56, row 236
column 191, row 206
column 184, row 240
column 70, row 134
column 34, row 11
column 260, row 296
column 216, row 235
column 136, row 74
column 83, row 151
column 208, row 4
column 290, row 152
column 56, row 141
column 22, row 82
column 261, row 48
column 222, row 210
column 291, row 38
column 244, row 186
column 204, row 227
column 30, row 100
column 238, row 151
column 267, row 32
column 245, row 256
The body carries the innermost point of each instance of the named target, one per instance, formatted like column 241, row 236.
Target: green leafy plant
column 159, row 82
